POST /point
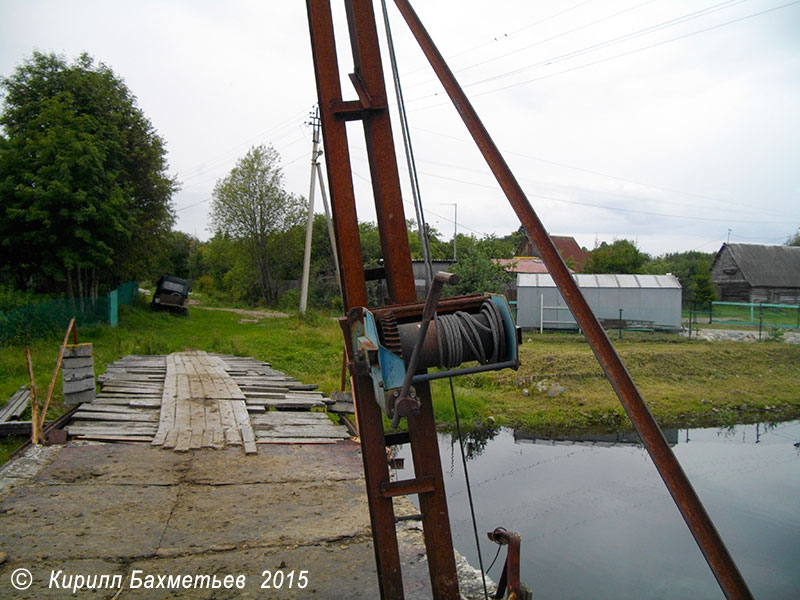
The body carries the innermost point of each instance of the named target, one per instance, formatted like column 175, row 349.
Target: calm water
column 597, row 522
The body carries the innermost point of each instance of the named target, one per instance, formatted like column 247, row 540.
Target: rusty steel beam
column 371, row 108
column 368, row 81
column 337, row 153
column 686, row 499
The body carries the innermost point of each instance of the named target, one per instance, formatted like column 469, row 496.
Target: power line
column 614, row 41
column 651, row 46
column 606, row 207
column 559, row 35
column 728, row 203
column 507, row 35
column 604, row 60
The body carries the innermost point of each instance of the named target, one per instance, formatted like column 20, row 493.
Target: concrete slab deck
column 117, row 509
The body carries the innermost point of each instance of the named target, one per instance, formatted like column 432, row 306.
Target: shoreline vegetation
column 560, row 388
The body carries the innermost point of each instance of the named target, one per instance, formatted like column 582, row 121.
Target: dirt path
column 258, row 314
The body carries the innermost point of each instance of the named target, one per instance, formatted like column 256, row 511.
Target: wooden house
column 755, row 273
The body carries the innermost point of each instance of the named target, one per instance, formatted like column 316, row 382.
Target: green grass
column 308, row 349
column 686, row 382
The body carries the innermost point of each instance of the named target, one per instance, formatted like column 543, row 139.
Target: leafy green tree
column 478, row 273
column 620, row 257
column 693, row 270
column 794, row 240
column 85, row 198
column 252, row 206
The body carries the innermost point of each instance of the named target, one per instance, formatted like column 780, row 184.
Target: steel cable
column 461, row 331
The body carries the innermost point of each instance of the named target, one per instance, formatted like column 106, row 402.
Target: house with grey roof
column 755, row 273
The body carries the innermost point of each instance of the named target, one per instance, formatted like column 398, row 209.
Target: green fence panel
column 756, row 314
column 24, row 323
column 113, row 308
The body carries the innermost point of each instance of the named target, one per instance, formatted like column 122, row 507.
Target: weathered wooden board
column 150, row 417
column 16, row 405
column 193, row 400
column 285, row 403
column 266, row 439
column 289, row 418
column 79, row 385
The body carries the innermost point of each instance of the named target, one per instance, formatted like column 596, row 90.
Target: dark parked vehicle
column 171, row 294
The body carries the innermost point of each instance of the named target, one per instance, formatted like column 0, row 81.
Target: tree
column 621, row 256
column 793, row 240
column 478, row 273
column 252, row 206
column 693, row 270
column 84, row 194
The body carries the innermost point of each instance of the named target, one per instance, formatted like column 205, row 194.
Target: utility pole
column 316, row 173
column 455, row 230
column 729, row 235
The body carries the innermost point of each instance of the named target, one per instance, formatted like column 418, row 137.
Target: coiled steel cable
column 461, row 330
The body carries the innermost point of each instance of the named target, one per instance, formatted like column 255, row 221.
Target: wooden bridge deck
column 191, row 400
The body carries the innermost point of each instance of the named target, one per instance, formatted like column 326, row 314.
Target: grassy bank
column 560, row 385
column 684, row 382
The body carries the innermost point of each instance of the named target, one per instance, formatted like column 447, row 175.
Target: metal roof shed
column 648, row 300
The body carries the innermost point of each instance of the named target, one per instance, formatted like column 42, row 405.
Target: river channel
column 597, row 521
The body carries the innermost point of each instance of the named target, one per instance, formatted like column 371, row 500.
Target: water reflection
column 591, row 439
column 597, row 522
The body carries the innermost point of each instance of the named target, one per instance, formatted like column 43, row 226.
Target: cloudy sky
column 671, row 123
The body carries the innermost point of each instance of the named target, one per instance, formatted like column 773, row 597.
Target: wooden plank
column 74, row 430
column 74, row 373
column 115, row 416
column 273, row 440
column 71, row 399
column 183, row 441
column 183, row 415
column 148, row 403
column 171, row 439
column 243, row 424
column 289, row 418
column 232, row 434
column 121, row 396
column 115, row 438
column 198, row 418
column 78, row 361
column 117, row 408
column 216, row 436
column 79, row 385
column 166, row 422
column 16, row 405
column 280, row 403
column 303, row 431
column 249, row 440
column 112, row 401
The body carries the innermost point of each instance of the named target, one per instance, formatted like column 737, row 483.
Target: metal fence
column 33, row 321
column 756, row 314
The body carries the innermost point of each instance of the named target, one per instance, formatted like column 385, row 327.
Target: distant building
column 646, row 301
column 526, row 266
column 569, row 249
column 755, row 273
column 522, row 265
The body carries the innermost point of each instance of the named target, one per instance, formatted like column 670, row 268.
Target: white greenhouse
column 645, row 300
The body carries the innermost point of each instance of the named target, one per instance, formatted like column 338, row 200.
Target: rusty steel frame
column 686, row 499
column 372, row 109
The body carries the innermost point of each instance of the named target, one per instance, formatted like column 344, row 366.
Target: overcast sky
column 665, row 122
